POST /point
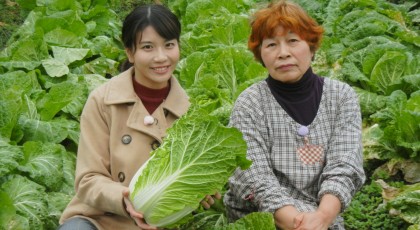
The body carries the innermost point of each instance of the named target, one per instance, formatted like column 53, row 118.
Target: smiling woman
column 155, row 58
column 124, row 120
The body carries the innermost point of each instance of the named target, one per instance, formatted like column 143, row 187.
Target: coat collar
column 176, row 102
column 120, row 90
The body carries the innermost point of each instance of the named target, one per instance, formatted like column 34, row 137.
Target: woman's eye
column 172, row 43
column 147, row 47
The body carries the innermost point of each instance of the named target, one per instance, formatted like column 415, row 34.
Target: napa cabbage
column 196, row 158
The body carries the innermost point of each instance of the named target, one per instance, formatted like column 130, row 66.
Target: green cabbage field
column 66, row 48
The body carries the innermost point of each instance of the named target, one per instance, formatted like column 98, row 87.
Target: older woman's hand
column 285, row 217
column 311, row 221
column 208, row 201
column 136, row 216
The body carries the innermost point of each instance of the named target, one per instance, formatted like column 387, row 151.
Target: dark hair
column 159, row 17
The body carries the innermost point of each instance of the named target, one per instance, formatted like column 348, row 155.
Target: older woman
column 303, row 131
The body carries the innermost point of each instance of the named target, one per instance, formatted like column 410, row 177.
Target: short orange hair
column 288, row 15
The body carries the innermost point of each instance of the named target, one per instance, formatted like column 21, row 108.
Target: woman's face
column 154, row 59
column 286, row 56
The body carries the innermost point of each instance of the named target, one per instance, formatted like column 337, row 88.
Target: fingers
column 136, row 216
column 126, row 193
column 207, row 202
column 129, row 206
column 140, row 222
column 298, row 220
column 218, row 195
column 209, row 199
column 142, row 225
column 132, row 211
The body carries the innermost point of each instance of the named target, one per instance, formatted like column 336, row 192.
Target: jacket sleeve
column 93, row 182
column 343, row 174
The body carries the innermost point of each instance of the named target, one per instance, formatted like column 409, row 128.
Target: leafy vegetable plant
column 196, row 158
column 367, row 211
column 64, row 49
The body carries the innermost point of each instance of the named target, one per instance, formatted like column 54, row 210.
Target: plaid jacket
column 280, row 176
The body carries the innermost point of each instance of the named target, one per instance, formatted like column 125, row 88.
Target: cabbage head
column 197, row 157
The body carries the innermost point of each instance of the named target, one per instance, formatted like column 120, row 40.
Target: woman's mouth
column 162, row 69
column 285, row 67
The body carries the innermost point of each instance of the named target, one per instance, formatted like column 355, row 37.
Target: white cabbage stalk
column 197, row 158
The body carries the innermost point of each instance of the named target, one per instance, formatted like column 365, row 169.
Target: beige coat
column 114, row 143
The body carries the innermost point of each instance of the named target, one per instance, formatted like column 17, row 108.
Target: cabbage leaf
column 196, row 158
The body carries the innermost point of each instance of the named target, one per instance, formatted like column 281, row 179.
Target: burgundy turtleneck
column 300, row 99
column 151, row 98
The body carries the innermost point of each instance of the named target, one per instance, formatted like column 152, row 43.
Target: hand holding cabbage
column 136, row 216
column 196, row 159
column 209, row 200
column 139, row 218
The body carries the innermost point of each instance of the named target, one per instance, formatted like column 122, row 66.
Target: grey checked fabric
column 278, row 176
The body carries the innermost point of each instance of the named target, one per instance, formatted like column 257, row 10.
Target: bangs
column 166, row 28
column 287, row 15
column 273, row 21
column 159, row 17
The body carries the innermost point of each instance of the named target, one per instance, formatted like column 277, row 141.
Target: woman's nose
column 160, row 55
column 283, row 50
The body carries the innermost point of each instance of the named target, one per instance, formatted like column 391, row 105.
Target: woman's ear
column 130, row 54
column 313, row 55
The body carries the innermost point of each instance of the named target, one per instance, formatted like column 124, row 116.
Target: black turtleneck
column 300, row 99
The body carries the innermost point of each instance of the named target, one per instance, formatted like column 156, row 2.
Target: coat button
column 126, row 139
column 121, row 176
column 155, row 145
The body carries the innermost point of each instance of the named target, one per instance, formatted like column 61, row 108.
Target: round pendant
column 303, row 130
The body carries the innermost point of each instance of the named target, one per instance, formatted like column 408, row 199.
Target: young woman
column 124, row 120
column 303, row 131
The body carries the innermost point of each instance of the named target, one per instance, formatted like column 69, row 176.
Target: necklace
column 309, row 154
column 303, row 130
